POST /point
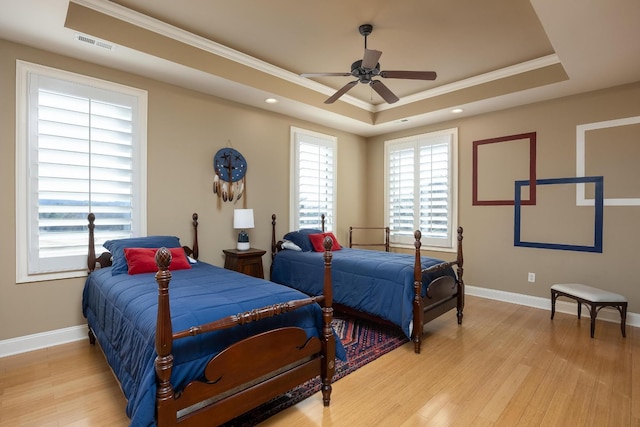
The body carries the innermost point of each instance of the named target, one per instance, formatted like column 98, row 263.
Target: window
column 421, row 189
column 80, row 148
column 313, row 183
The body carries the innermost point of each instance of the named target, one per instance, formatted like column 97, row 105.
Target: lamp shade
column 243, row 219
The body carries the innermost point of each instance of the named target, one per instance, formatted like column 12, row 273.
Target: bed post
column 459, row 272
column 91, row 256
column 386, row 239
column 328, row 340
column 416, row 332
column 196, row 250
column 166, row 414
column 274, row 249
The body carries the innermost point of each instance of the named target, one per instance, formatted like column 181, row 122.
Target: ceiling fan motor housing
column 364, row 75
column 365, row 29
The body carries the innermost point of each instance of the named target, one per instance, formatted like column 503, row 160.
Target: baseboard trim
column 607, row 314
column 42, row 340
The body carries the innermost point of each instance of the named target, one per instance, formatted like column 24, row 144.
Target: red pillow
column 143, row 260
column 317, row 241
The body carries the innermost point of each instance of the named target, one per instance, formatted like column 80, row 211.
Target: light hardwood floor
column 507, row 365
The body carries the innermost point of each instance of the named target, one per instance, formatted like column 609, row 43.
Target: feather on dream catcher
column 230, row 174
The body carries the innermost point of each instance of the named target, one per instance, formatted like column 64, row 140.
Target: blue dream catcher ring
column 230, row 174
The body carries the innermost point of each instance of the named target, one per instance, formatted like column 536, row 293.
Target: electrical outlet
column 531, row 277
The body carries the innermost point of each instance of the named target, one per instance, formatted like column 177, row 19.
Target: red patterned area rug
column 364, row 342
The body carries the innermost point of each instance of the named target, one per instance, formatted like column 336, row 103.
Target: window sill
column 30, row 278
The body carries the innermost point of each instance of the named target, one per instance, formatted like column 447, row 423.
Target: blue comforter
column 122, row 311
column 375, row 282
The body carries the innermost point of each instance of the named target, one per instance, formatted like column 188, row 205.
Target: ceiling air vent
column 94, row 42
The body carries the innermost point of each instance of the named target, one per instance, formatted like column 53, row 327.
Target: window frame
column 327, row 141
column 447, row 244
column 24, row 200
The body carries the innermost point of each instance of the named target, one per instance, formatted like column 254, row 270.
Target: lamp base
column 244, row 246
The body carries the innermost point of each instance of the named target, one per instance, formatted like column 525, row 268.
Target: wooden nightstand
column 248, row 262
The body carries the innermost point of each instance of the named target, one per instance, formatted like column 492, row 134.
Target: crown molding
column 501, row 73
column 151, row 24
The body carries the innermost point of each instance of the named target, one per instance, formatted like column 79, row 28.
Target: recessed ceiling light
column 271, row 100
column 457, row 110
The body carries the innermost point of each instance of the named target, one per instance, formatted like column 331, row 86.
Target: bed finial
column 328, row 243
column 163, row 258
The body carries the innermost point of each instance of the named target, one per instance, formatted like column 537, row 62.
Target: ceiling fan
column 367, row 68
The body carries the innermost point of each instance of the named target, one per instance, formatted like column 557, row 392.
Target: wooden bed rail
column 386, row 237
column 248, row 317
column 418, row 271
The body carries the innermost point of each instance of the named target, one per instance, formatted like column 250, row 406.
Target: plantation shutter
column 434, row 190
column 315, row 180
column 81, row 160
column 420, row 188
column 402, row 191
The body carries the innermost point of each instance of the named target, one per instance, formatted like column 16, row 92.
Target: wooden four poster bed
column 195, row 365
column 402, row 289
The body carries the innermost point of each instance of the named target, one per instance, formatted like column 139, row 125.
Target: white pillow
column 287, row 244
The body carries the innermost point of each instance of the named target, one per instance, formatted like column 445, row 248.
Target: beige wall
column 185, row 129
column 491, row 259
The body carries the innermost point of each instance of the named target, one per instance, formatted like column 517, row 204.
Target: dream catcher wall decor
column 230, row 174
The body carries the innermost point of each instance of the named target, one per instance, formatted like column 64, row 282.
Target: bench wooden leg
column 594, row 313
column 580, row 309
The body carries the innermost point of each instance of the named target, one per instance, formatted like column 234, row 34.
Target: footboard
column 248, row 373
column 442, row 294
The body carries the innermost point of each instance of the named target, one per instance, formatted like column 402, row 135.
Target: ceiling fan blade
column 384, row 91
column 415, row 75
column 325, row 74
column 341, row 92
column 371, row 58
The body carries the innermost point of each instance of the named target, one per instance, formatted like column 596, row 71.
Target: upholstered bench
column 594, row 298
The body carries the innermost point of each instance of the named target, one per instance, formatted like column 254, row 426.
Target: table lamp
column 242, row 220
